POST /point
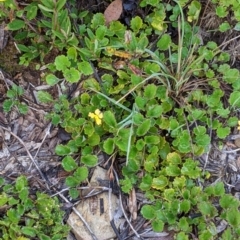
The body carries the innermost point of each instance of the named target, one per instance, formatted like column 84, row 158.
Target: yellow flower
column 97, row 116
column 238, row 125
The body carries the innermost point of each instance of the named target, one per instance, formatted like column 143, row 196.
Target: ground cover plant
column 153, row 92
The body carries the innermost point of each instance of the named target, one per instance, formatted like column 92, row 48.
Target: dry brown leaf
column 113, row 11
column 132, row 204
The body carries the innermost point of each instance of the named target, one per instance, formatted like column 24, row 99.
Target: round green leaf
column 62, row 150
column 136, row 23
column 85, row 68
column 158, row 225
column 62, row 62
column 74, row 193
column 160, row 182
column 72, row 75
column 69, row 163
column 109, row 146
column 81, row 173
column 148, row 212
column 164, row 42
column 44, row 97
column 89, row 160
column 144, row 127
column 150, row 91
column 52, row 79
column 72, row 181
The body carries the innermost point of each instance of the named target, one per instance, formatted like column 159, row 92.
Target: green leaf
column 173, row 170
column 46, row 9
column 174, row 158
column 164, row 42
column 89, row 160
column 11, row 93
column 224, row 27
column 190, row 169
column 3, row 199
column 69, row 164
column 227, row 235
column 221, row 11
column 150, row 91
column 183, row 236
column 23, row 108
column 160, row 182
column 185, row 206
column 232, row 121
column 72, row 181
column 152, row 139
column 193, row 11
column 207, row 209
column 72, row 75
column 44, row 97
column 140, row 145
column 60, row 4
column 31, row 12
column 157, row 225
column 144, row 127
column 62, row 63
column 234, row 99
column 154, row 111
column 148, row 212
column 72, row 53
column 81, row 173
column 228, row 201
column 29, row 231
column 94, row 139
column 183, row 224
column 219, row 189
column 52, row 79
column 109, row 146
column 85, row 68
column 146, row 183
column 62, row 150
column 223, row 132
column 7, row 105
column 74, row 193
column 16, row 24
column 21, row 183
column 13, row 215
column 233, row 217
column 109, row 119
column 136, row 24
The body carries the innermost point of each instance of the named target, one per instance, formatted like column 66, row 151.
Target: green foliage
column 13, row 95
column 25, row 217
column 155, row 103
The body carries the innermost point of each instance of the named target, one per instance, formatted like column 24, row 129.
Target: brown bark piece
column 113, row 11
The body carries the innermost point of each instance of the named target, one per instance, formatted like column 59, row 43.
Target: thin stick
column 124, row 213
column 46, row 134
column 29, row 154
column 81, row 217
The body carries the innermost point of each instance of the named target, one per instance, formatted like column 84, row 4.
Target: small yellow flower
column 97, row 116
column 238, row 125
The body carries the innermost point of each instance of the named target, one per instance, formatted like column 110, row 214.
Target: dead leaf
column 120, row 54
column 113, row 11
column 132, row 204
column 135, row 69
column 119, row 65
column 127, row 37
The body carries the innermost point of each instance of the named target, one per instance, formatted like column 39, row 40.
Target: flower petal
column 91, row 115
